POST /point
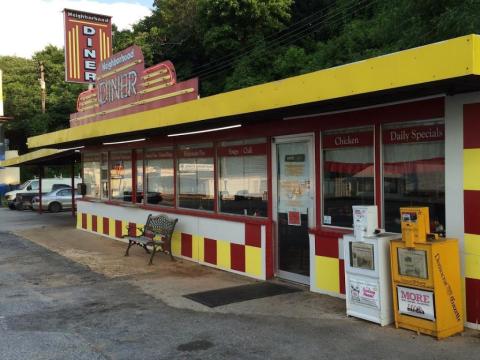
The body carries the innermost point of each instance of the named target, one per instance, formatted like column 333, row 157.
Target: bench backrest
column 161, row 225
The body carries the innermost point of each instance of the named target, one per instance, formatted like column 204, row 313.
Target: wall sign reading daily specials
column 415, row 302
column 415, row 134
column 88, row 40
column 348, row 140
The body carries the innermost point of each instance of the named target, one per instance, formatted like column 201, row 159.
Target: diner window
column 91, row 174
column 121, row 175
column 104, row 175
column 159, row 173
column 242, row 183
column 414, row 171
column 348, row 174
column 139, row 174
column 196, row 176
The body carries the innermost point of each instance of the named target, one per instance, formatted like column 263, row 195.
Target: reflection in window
column 196, row 177
column 348, row 174
column 91, row 174
column 243, row 178
column 159, row 176
column 414, row 172
column 139, row 176
column 121, row 175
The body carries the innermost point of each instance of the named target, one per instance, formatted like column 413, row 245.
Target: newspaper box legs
column 425, row 278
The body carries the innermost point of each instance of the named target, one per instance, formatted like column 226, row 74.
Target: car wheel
column 55, row 207
column 12, row 207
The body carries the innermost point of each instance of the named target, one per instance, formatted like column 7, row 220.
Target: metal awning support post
column 40, row 177
column 73, row 189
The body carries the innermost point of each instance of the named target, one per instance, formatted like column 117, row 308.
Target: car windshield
column 24, row 185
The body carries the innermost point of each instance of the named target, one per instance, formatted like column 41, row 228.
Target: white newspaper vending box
column 367, row 268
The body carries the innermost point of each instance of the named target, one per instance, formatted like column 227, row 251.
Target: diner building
column 263, row 179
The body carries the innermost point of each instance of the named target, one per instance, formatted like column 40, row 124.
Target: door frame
column 308, row 137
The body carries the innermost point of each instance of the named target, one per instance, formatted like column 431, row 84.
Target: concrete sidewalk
column 168, row 281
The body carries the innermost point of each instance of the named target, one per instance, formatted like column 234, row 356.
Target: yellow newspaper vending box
column 425, row 278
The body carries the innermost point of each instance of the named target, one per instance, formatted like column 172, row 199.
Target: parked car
column 31, row 188
column 56, row 201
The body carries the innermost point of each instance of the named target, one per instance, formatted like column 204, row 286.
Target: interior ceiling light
column 123, row 142
column 206, row 131
column 73, row 148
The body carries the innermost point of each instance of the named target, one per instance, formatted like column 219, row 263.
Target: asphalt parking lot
column 53, row 307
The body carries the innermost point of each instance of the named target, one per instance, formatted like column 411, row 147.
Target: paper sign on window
column 294, row 218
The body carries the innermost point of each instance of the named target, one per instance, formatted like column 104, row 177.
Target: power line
column 292, row 37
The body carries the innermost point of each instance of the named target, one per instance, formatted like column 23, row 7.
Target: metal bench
column 156, row 233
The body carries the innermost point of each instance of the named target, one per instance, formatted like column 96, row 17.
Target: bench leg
column 130, row 243
column 153, row 254
column 145, row 247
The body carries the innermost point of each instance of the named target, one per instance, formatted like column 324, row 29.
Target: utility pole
column 42, row 86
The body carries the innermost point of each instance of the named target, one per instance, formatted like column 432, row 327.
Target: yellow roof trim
column 440, row 61
column 34, row 155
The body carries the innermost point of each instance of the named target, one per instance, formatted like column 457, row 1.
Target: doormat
column 214, row 298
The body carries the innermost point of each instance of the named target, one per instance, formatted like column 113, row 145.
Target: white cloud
column 27, row 26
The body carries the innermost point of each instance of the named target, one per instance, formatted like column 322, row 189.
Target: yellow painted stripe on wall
column 198, row 248
column 223, row 255
column 472, row 244
column 472, row 266
column 111, row 227
column 79, row 220
column 100, row 224
column 89, row 222
column 108, row 46
column 177, row 243
column 471, row 169
column 125, row 225
column 327, row 274
column 77, row 49
column 253, row 260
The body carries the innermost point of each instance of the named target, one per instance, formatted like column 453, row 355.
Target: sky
column 27, row 26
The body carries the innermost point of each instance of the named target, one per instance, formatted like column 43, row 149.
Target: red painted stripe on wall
column 341, row 275
column 94, row 223
column 132, row 229
column 84, row 221
column 106, row 226
column 237, row 257
column 326, row 246
column 269, row 271
column 210, row 251
column 472, row 211
column 472, row 293
column 471, row 126
column 253, row 235
column 187, row 245
column 118, row 228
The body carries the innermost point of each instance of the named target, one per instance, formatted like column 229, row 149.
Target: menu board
column 362, row 255
column 412, row 263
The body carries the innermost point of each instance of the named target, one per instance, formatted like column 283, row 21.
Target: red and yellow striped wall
column 246, row 259
column 471, row 178
column 327, row 274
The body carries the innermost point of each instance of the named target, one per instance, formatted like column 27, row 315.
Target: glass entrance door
column 294, row 206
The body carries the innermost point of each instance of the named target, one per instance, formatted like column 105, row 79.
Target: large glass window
column 196, row 177
column 414, row 171
column 159, row 172
column 139, row 189
column 104, row 175
column 242, row 183
column 91, row 174
column 121, row 175
column 348, row 174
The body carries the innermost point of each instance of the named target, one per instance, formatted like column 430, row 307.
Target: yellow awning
column 32, row 158
column 444, row 60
